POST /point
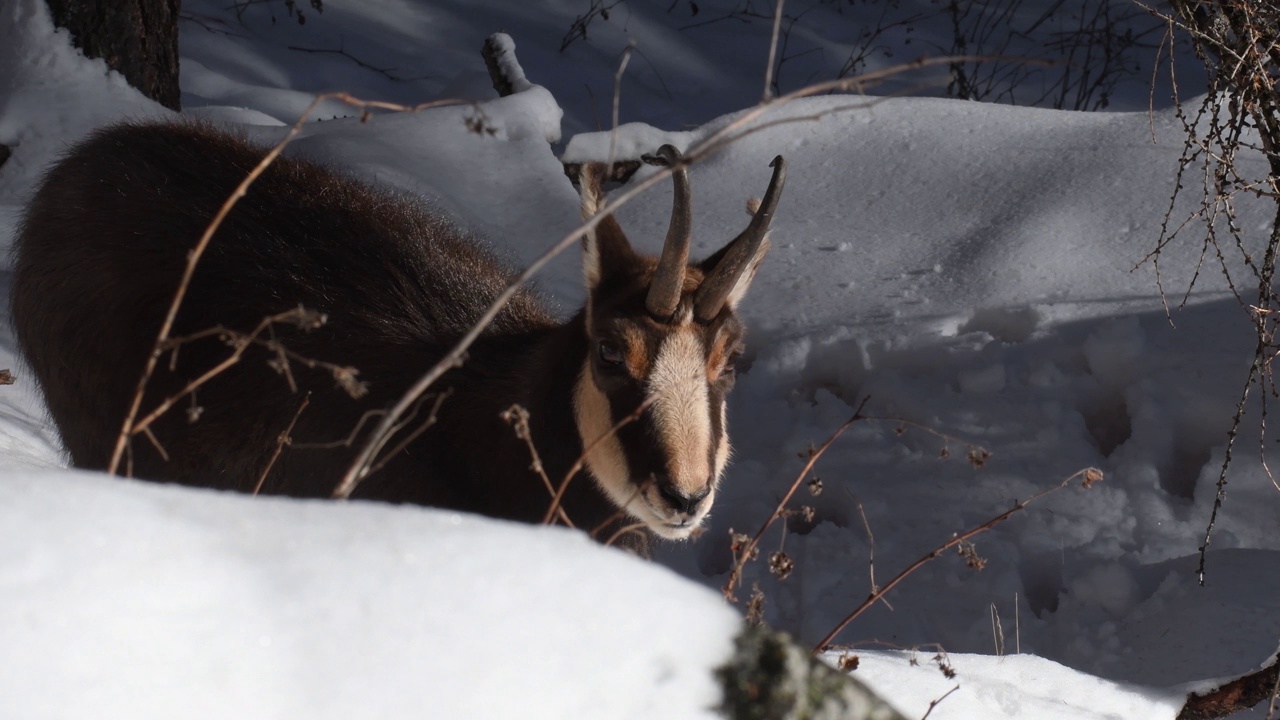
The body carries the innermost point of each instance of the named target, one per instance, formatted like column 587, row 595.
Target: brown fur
column 102, row 245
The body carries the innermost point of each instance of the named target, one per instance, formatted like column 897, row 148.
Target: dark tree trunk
column 137, row 38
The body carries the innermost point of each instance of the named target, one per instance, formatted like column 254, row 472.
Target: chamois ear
column 605, row 249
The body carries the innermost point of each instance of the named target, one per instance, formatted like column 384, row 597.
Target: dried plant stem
column 1220, row 494
column 129, row 428
column 558, row 496
column 155, row 442
column 431, row 420
column 624, row 530
column 773, row 52
column 871, row 549
column 518, row 418
column 748, row 550
column 617, row 103
column 284, row 439
column 240, row 343
column 617, row 514
column 934, row 703
column 348, row 441
column 1089, row 476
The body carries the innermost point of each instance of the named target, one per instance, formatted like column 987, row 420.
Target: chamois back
column 99, row 255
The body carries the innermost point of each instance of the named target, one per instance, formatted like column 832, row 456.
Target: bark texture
column 137, row 38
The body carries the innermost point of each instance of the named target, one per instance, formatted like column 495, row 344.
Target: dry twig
column 130, row 427
column 749, row 549
column 1088, row 477
column 284, row 439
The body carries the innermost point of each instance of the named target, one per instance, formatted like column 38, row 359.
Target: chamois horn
column 668, row 280
column 715, row 289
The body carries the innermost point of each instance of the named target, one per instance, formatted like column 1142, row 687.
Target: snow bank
column 968, row 267
column 129, row 600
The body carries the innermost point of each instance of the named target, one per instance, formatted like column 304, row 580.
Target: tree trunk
column 137, row 38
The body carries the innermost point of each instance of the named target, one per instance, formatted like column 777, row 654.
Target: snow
column 148, row 604
column 1022, row 686
column 971, row 268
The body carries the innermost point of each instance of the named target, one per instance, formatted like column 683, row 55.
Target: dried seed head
column 279, row 364
column 969, row 552
column 978, row 456
column 945, row 666
column 815, row 486
column 1092, row 476
column 780, row 564
column 847, row 662
column 755, row 607
column 346, row 377
column 307, row 319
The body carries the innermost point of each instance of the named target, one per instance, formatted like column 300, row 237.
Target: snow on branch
column 504, row 69
column 1236, row 695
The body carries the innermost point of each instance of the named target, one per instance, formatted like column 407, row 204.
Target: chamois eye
column 731, row 364
column 730, row 369
column 610, row 353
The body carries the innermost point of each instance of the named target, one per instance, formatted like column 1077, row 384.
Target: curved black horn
column 711, row 295
column 668, row 280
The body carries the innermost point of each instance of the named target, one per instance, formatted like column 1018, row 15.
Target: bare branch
column 285, row 438
column 128, row 428
column 749, row 549
column 1088, row 477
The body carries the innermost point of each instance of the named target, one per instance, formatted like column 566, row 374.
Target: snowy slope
column 967, row 267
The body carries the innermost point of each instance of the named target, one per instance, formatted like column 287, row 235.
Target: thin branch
column 748, row 550
column 1088, row 476
column 385, row 72
column 617, row 102
column 625, row 530
column 934, row 703
column 578, row 464
column 617, row 514
column 431, row 420
column 349, row 440
column 240, row 344
column 127, row 429
column 518, row 418
column 767, row 95
column 285, row 438
column 871, row 550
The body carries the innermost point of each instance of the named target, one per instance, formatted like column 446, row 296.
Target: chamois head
column 662, row 335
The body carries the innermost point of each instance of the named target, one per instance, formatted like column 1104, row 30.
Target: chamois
column 101, row 248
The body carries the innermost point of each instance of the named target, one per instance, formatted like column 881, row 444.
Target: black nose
column 684, row 503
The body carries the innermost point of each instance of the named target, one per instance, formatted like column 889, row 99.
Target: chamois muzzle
column 711, row 295
column 679, row 501
column 668, row 280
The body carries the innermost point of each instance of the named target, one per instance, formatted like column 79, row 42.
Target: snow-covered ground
column 968, row 267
